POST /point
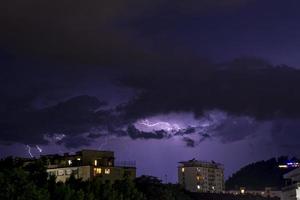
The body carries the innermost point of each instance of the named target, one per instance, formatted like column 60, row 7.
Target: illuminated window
column 60, row 172
column 242, row 191
column 182, row 169
column 96, row 162
column 198, row 187
column 283, row 166
column 70, row 162
column 97, row 171
column 78, row 159
column 107, row 171
column 199, row 178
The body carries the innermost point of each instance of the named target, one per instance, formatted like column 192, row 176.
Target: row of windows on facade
column 95, row 162
column 213, row 171
column 98, row 171
column 62, row 172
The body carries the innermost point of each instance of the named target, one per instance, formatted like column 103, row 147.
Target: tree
column 15, row 184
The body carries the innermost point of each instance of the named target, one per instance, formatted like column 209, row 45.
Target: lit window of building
column 78, row 159
column 70, row 162
column 97, row 171
column 242, row 191
column 107, row 171
column 60, row 172
column 198, row 187
column 182, row 169
column 199, row 178
column 96, row 162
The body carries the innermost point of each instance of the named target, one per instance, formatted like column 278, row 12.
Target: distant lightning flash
column 29, row 151
column 163, row 125
column 59, row 136
column 39, row 148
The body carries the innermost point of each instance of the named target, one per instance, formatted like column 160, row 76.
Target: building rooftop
column 293, row 173
column 199, row 163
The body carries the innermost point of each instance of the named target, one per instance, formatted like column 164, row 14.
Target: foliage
column 153, row 188
column 259, row 175
column 20, row 180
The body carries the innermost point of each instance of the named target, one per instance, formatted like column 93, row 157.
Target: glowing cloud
column 161, row 125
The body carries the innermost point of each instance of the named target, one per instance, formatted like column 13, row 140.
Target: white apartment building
column 201, row 176
column 292, row 189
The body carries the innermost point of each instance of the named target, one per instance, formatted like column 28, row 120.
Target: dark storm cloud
column 246, row 86
column 96, row 32
column 135, row 133
column 72, row 118
column 235, row 128
column 285, row 134
column 75, row 142
column 140, row 37
column 186, row 131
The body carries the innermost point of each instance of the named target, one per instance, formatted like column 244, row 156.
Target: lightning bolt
column 29, row 151
column 39, row 148
column 169, row 127
column 59, row 136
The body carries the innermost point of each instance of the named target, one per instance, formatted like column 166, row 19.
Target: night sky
column 155, row 81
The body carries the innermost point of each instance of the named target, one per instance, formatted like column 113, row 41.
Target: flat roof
column 200, row 163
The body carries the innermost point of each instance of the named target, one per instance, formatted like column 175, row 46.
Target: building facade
column 201, row 176
column 268, row 192
column 291, row 191
column 87, row 164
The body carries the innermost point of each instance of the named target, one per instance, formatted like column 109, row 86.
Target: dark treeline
column 19, row 181
column 258, row 175
column 31, row 182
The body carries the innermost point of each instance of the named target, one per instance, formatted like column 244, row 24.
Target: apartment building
column 291, row 191
column 87, row 164
column 201, row 176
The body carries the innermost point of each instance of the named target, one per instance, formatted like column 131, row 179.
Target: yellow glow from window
column 242, row 191
column 283, row 166
column 97, row 171
column 78, row 159
column 182, row 169
column 107, row 171
column 96, row 162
